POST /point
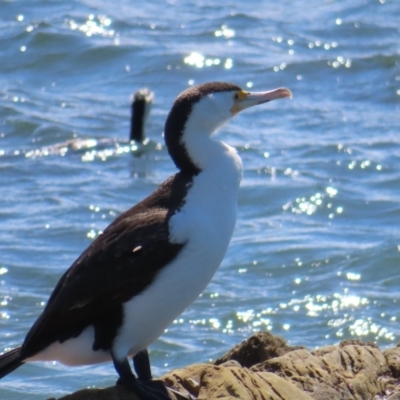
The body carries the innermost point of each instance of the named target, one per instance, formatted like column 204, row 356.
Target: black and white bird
column 137, row 144
column 156, row 258
column 141, row 102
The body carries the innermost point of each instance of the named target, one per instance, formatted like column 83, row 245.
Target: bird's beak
column 245, row 100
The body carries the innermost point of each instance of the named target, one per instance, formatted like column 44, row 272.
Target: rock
column 264, row 367
column 344, row 372
column 111, row 393
column 206, row 381
column 258, row 348
column 393, row 360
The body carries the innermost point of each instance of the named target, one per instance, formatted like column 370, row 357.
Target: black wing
column 118, row 265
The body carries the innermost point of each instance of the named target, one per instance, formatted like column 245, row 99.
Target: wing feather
column 110, row 272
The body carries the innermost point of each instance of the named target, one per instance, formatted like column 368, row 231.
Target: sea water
column 315, row 254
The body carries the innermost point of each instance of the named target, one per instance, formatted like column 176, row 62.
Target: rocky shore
column 264, row 367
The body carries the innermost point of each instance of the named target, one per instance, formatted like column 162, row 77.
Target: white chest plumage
column 205, row 224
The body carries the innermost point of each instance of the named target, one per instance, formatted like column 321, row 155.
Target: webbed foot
column 141, row 363
column 144, row 387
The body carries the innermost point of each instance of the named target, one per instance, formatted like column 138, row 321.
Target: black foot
column 141, row 363
column 145, row 389
column 144, row 386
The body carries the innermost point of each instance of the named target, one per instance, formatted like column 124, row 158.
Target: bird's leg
column 126, row 377
column 141, row 363
column 145, row 389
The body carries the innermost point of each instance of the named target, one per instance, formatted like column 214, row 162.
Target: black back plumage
column 118, row 265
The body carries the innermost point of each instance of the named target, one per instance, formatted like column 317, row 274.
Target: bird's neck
column 137, row 121
column 211, row 200
column 220, row 172
column 212, row 155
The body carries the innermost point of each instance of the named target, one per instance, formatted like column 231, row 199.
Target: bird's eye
column 236, row 96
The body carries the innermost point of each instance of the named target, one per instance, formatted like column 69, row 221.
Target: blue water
column 315, row 254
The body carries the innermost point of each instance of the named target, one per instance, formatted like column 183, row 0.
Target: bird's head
column 141, row 102
column 203, row 109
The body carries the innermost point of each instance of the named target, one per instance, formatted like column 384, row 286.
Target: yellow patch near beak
column 243, row 100
column 239, row 97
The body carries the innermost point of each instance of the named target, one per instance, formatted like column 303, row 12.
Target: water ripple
column 315, row 252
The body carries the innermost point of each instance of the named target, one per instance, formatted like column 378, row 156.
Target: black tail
column 10, row 361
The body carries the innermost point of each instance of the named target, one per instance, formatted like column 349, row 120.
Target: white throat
column 211, row 201
column 206, row 118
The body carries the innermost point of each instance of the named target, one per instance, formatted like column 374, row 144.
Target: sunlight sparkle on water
column 4, row 315
column 321, row 303
column 225, row 32
column 214, row 323
column 255, row 320
column 351, row 276
column 5, row 300
column 245, row 316
column 367, row 328
column 364, row 327
column 94, row 25
column 199, row 61
column 248, row 320
column 310, row 205
column 342, row 307
column 103, row 155
column 340, row 61
column 92, row 234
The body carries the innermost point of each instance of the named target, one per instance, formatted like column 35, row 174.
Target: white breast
column 205, row 223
